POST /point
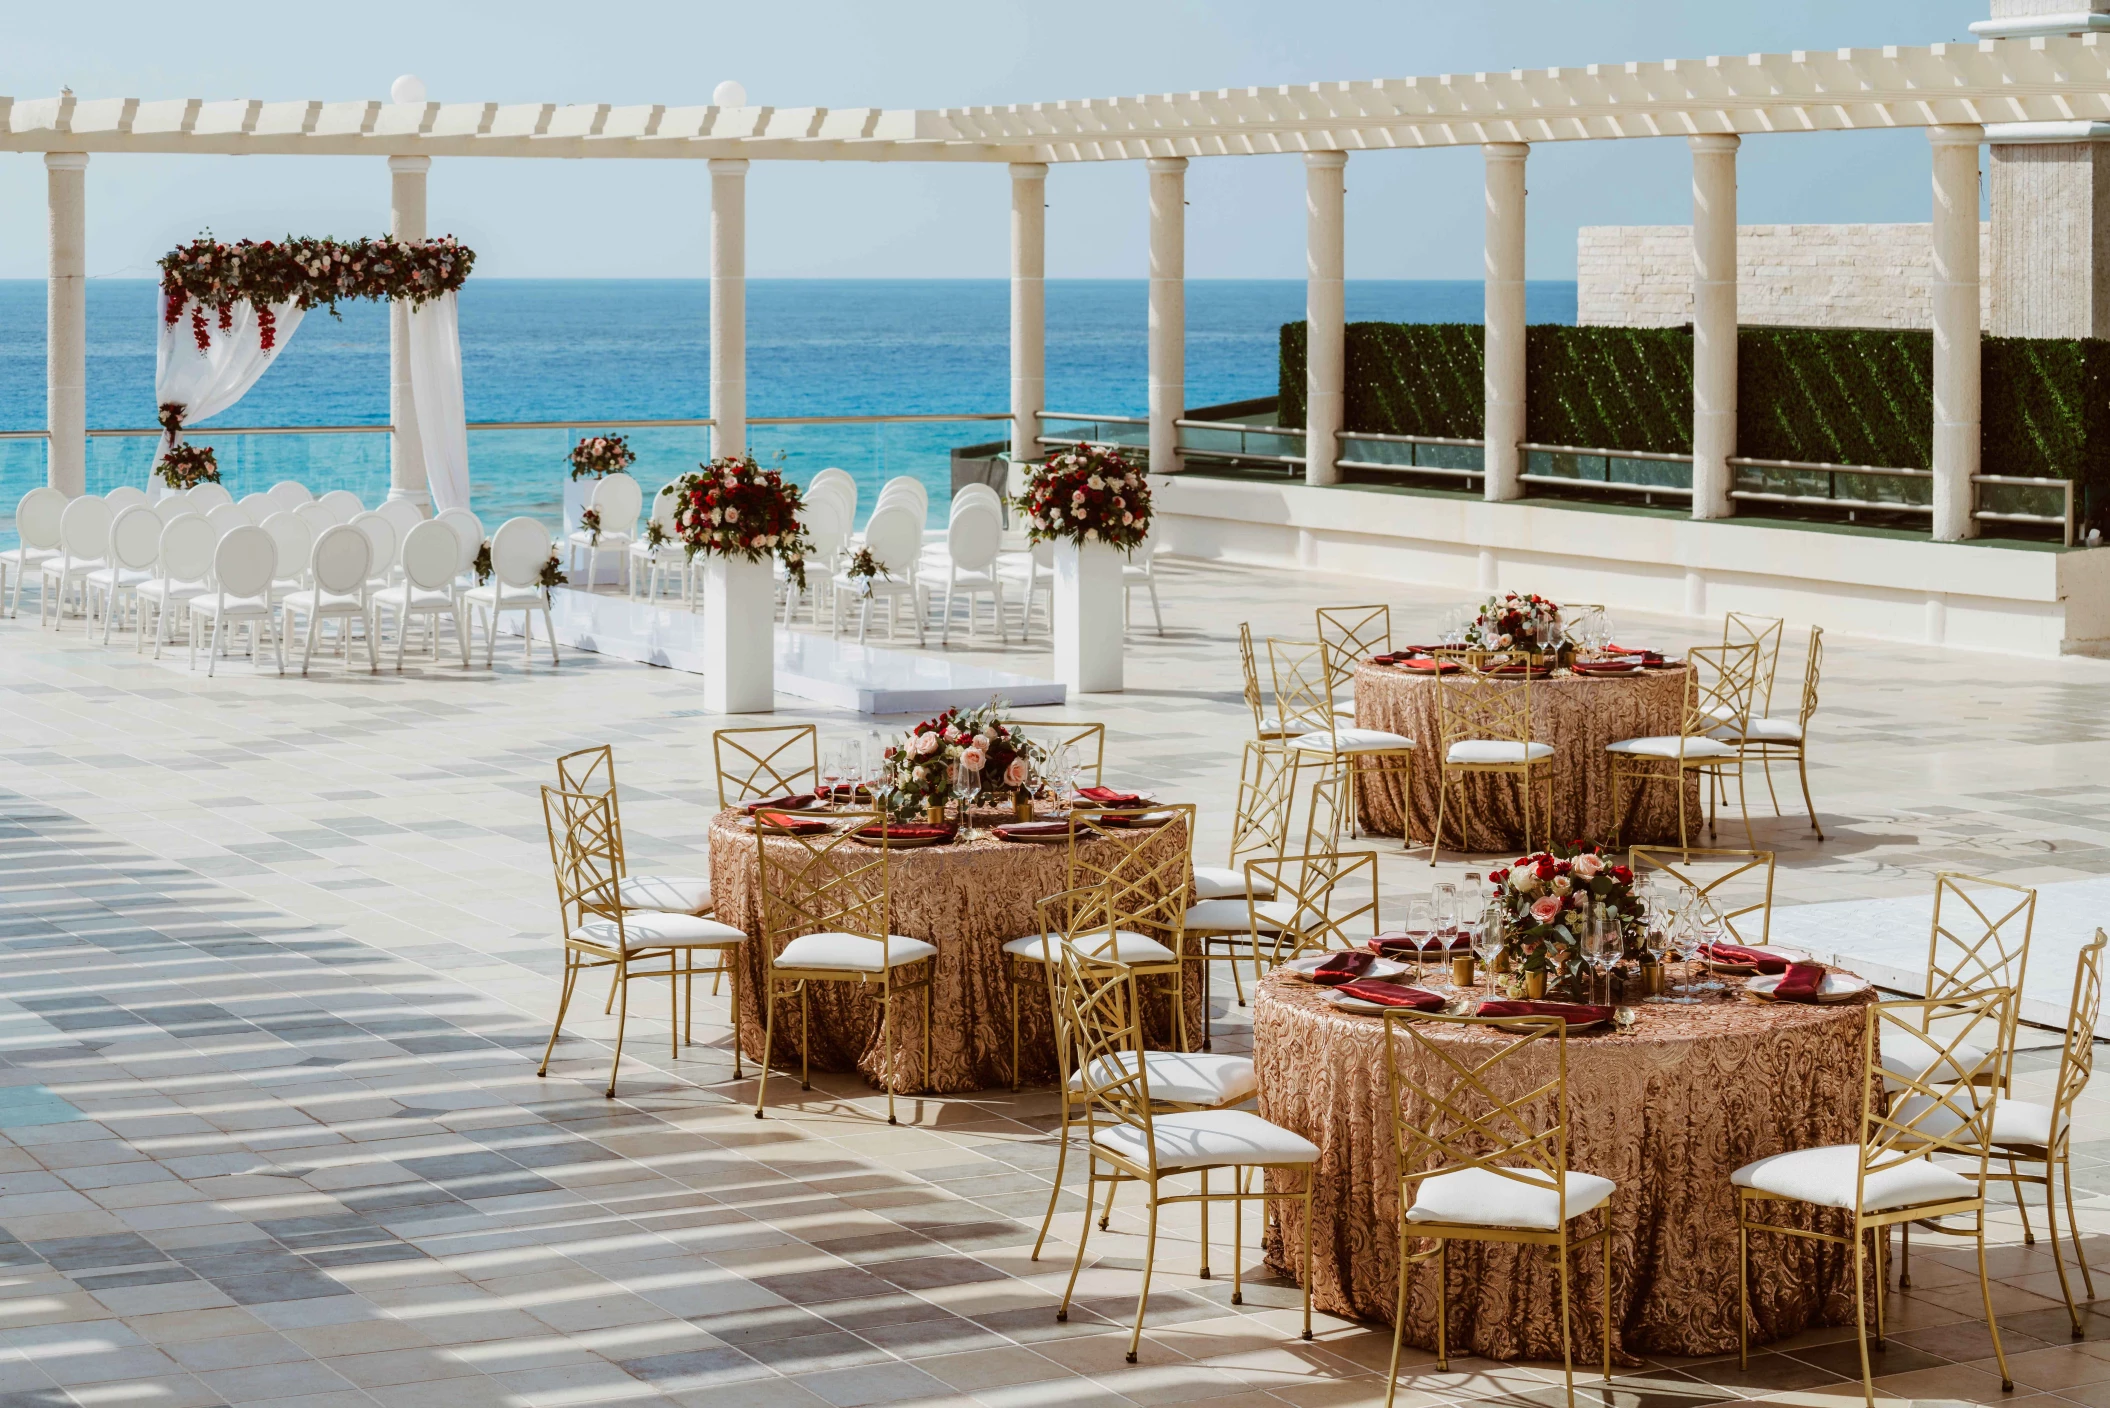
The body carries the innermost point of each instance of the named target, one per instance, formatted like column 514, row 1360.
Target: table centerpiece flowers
column 732, row 507
column 919, row 768
column 598, row 455
column 1545, row 899
column 1087, row 494
column 187, row 466
column 1515, row 621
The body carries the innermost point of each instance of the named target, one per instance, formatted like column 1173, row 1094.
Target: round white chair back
column 294, row 540
column 663, row 505
column 618, row 498
column 245, row 560
column 135, row 538
column 37, row 517
column 977, row 494
column 125, row 496
column 187, row 545
column 342, row 560
column 381, row 535
column 826, row 524
column 84, row 528
column 468, row 531
column 402, row 513
column 895, row 538
column 431, row 556
column 318, row 516
column 912, row 485
column 973, row 538
column 225, row 518
column 290, row 494
column 174, row 506
column 518, row 550
column 343, row 503
column 837, row 481
column 259, row 506
column 207, row 497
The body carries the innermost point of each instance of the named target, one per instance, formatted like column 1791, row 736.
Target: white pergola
column 2051, row 88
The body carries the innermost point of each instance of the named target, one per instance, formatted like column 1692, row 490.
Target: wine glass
column 875, row 756
column 832, row 768
column 1655, row 931
column 1490, row 936
column 1443, row 915
column 1601, row 946
column 1604, row 630
column 966, row 785
column 1707, row 924
column 1419, row 918
column 1059, row 769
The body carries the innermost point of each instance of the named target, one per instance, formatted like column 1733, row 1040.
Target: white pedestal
column 739, row 635
column 578, row 497
column 1088, row 617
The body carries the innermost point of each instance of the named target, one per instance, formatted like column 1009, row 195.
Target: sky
column 1411, row 215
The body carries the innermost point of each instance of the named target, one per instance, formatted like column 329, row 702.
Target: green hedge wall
column 1609, row 388
column 1836, row 395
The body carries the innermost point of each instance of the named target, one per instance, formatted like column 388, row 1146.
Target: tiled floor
column 279, row 955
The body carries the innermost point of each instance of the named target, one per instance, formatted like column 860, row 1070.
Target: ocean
column 576, row 349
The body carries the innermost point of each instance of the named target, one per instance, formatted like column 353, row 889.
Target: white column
column 1325, row 352
column 66, row 328
column 406, row 221
column 1503, row 423
column 728, row 306
column 1713, row 321
column 1168, row 309
column 1956, row 329
column 1029, row 308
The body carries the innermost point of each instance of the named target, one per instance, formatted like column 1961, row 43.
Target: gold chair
column 1125, row 1132
column 586, row 852
column 1718, row 685
column 1259, row 826
column 1087, row 742
column 1475, row 1166
column 1725, row 879
column 1179, row 1080
column 1889, row 1177
column 1765, row 632
column 1485, row 721
column 1319, row 905
column 1351, row 635
column 1318, row 738
column 1767, row 737
column 826, row 908
column 1267, row 727
column 760, row 763
column 1974, row 944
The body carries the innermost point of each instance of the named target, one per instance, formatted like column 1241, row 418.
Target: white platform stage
column 842, row 674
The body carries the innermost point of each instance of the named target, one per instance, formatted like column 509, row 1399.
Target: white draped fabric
column 436, row 395
column 207, row 381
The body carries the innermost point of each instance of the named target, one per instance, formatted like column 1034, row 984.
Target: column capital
column 65, row 161
column 1714, row 141
column 1165, row 165
column 1325, row 161
column 1029, row 171
column 417, row 165
column 728, row 166
column 1958, row 134
column 1505, row 151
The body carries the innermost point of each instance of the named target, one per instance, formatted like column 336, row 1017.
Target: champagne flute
column 1443, row 917
column 1655, row 932
column 1419, row 913
column 1490, row 936
column 966, row 783
column 831, row 768
column 1707, row 924
column 1600, row 946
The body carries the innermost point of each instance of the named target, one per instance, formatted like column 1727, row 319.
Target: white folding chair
column 910, row 485
column 519, row 549
column 243, row 566
column 182, row 571
column 37, row 523
column 431, row 556
column 84, row 536
column 836, row 481
column 135, row 543
column 468, row 531
column 827, row 528
column 338, row 567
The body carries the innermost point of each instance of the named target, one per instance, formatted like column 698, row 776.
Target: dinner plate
column 1363, row 1006
column 1379, row 967
column 747, row 823
column 811, row 804
column 1837, row 986
column 906, row 843
column 1745, row 970
column 1627, row 667
column 1142, row 820
column 1049, row 838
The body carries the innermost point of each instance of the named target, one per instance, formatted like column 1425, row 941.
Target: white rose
column 1562, row 884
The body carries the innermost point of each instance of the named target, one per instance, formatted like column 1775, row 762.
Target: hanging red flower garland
column 309, row 272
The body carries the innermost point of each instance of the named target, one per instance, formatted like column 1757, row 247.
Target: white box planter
column 578, row 497
column 1088, row 626
column 739, row 635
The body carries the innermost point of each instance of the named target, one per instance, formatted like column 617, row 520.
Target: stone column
column 1029, row 309
column 728, row 306
column 1325, row 350
column 1504, row 262
column 66, row 329
column 1168, row 309
column 406, row 452
column 1713, row 322
column 1955, row 298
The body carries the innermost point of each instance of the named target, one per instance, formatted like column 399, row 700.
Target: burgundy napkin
column 1534, row 671
column 1391, row 657
column 796, row 799
column 1342, row 968
column 1748, row 957
column 1031, row 830
column 1646, row 656
column 1109, row 796
column 1801, row 982
column 785, row 821
column 1576, row 1013
column 1144, row 820
column 1441, row 667
column 1605, row 667
column 1386, row 994
column 905, row 831
column 1397, row 943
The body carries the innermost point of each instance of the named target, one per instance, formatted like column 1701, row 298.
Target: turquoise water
column 574, row 349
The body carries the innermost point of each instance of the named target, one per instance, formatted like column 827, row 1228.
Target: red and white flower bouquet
column 735, row 508
column 597, row 455
column 921, row 763
column 1515, row 621
column 1546, row 898
column 1087, row 494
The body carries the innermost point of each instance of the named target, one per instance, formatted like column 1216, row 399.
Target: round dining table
column 1666, row 1110
column 968, row 898
column 1578, row 715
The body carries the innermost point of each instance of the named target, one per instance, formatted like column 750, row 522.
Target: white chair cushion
column 1220, row 882
column 209, row 604
column 611, row 540
column 2022, row 1123
column 1210, row 1139
column 852, row 953
column 648, row 930
column 1772, row 730
column 1476, row 1197
column 1906, row 1054
column 329, row 603
column 1351, row 740
column 1826, row 1176
column 1495, row 750
column 1129, row 947
column 404, row 596
column 1182, row 1077
column 1668, row 745
column 669, row 894
column 162, row 589
column 1269, row 915
column 505, row 598
column 126, row 576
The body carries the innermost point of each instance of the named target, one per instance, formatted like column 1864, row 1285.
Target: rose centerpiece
column 596, row 455
column 921, row 764
column 735, row 516
column 1515, row 621
column 1094, row 506
column 1545, row 900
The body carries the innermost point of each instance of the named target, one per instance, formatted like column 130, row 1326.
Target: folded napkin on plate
column 1606, row 667
column 1801, row 983
column 1577, row 1013
column 1391, row 657
column 1418, row 943
column 1031, row 830
column 906, row 831
column 786, row 821
column 1441, row 667
column 1747, row 957
column 1109, row 796
column 796, row 799
column 1145, row 820
column 1342, row 968
column 1534, row 671
column 1386, row 994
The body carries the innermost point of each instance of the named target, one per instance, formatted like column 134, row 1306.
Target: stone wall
column 1865, row 276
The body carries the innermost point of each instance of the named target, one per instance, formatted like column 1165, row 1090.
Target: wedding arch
column 227, row 309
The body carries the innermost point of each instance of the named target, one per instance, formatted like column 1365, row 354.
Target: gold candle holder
column 1462, row 970
column 1652, row 977
column 934, row 813
column 1535, row 985
column 1022, row 805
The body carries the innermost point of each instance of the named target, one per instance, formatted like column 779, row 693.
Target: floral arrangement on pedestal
column 864, row 568
column 919, row 767
column 1513, row 621
column 736, row 508
column 207, row 274
column 1546, row 897
column 597, row 455
column 186, row 466
column 1087, row 494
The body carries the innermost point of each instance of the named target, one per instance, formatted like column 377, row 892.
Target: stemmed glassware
column 1601, row 945
column 1490, row 936
column 1655, row 930
column 966, row 785
column 1058, row 771
column 832, row 754
column 1443, row 919
column 1419, row 915
column 1707, row 926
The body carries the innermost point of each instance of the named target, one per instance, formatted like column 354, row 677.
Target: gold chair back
column 828, row 882
column 1087, row 741
column 1765, row 632
column 1351, row 635
column 1980, row 939
column 1324, row 814
column 2077, row 1060
column 1473, row 705
column 1330, row 898
column 1947, row 1107
column 757, row 763
column 1149, row 882
column 1479, row 1105
column 1303, row 696
column 1082, row 916
column 586, row 854
column 1260, row 820
column 1812, row 668
column 1100, row 1011
column 1720, row 682
column 591, row 771
column 1736, row 884
column 1255, row 699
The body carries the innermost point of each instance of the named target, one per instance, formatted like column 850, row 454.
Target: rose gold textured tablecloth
column 1578, row 715
column 967, row 899
column 1666, row 1111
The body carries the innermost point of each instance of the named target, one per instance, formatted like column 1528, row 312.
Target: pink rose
column 1588, row 866
column 1546, row 909
column 1015, row 775
column 925, row 744
column 974, row 758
